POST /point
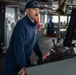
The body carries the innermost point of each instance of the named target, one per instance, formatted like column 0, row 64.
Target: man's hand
column 22, row 71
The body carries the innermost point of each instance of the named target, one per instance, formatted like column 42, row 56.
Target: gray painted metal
column 64, row 67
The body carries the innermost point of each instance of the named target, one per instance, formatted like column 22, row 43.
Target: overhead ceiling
column 21, row 3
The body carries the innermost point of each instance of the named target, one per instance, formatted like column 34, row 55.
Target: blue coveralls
column 24, row 39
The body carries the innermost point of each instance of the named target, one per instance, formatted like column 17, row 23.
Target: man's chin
column 36, row 17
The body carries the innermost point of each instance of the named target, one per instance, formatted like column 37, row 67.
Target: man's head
column 32, row 9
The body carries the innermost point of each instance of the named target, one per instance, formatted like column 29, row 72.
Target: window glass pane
column 42, row 18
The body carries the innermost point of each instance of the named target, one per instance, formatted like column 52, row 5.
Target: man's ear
column 27, row 11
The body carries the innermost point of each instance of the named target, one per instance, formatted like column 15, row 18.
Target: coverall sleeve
column 37, row 49
column 19, row 42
